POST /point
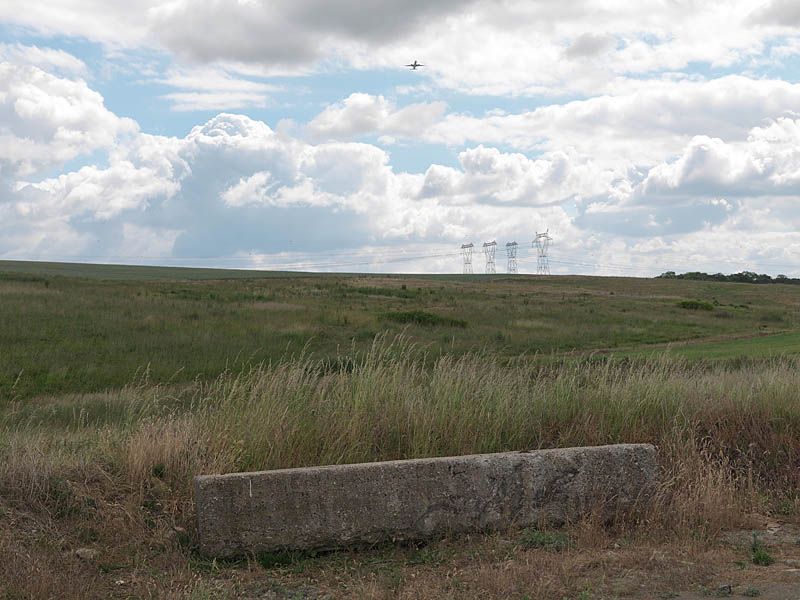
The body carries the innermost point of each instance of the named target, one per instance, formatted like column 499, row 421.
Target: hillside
column 81, row 328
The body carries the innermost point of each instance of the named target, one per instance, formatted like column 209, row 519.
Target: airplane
column 414, row 65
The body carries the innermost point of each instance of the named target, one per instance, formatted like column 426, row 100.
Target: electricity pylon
column 466, row 253
column 542, row 243
column 511, row 252
column 488, row 250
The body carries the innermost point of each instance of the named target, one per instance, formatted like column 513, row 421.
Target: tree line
column 742, row 277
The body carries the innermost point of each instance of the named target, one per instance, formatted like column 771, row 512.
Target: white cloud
column 493, row 177
column 207, row 89
column 46, row 120
column 648, row 166
column 100, row 194
column 360, row 114
column 234, row 186
column 113, row 23
column 222, row 100
column 640, row 124
column 479, row 46
column 768, row 162
column 48, row 59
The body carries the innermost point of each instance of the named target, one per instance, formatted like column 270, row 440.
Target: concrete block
column 333, row 506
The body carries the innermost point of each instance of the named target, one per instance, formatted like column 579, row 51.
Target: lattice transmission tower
column 489, row 249
column 466, row 254
column 511, row 252
column 542, row 242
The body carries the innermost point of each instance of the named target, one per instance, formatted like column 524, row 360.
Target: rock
column 724, row 591
column 86, row 554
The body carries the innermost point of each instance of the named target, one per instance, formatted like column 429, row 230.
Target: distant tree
column 741, row 277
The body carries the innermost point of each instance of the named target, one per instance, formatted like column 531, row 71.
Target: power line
column 355, row 258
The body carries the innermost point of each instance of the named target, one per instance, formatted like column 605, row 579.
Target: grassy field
column 86, row 328
column 115, row 392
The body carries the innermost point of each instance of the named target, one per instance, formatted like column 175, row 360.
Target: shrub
column 760, row 555
column 695, row 305
column 421, row 317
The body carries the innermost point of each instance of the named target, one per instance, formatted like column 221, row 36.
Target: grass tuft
column 696, row 305
column 759, row 554
column 554, row 541
column 423, row 318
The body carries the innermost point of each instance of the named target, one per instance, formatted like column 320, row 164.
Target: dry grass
column 113, row 471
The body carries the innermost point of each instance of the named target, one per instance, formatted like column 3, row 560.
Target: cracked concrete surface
column 341, row 505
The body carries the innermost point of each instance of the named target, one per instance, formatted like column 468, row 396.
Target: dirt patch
column 140, row 551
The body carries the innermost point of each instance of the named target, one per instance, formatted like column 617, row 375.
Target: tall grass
column 390, row 404
column 116, row 468
column 734, row 427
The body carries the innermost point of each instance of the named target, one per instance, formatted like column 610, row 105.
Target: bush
column 426, row 319
column 695, row 305
column 760, row 555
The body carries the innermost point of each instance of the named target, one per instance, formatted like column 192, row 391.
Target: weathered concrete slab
column 324, row 507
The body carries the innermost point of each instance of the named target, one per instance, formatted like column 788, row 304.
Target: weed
column 284, row 558
column 759, row 554
column 554, row 541
column 426, row 555
column 426, row 319
column 710, row 592
column 695, row 305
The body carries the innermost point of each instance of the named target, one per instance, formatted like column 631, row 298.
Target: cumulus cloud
column 46, row 120
column 98, row 194
column 710, row 183
column 234, row 186
column 362, row 114
column 640, row 124
column 768, row 162
column 490, row 176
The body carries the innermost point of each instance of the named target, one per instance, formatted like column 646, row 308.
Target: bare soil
column 139, row 556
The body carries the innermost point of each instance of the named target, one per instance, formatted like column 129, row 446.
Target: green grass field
column 119, row 384
column 81, row 328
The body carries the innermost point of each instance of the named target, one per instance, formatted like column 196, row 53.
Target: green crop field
column 118, row 384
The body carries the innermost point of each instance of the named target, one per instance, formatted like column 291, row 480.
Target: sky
column 643, row 136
